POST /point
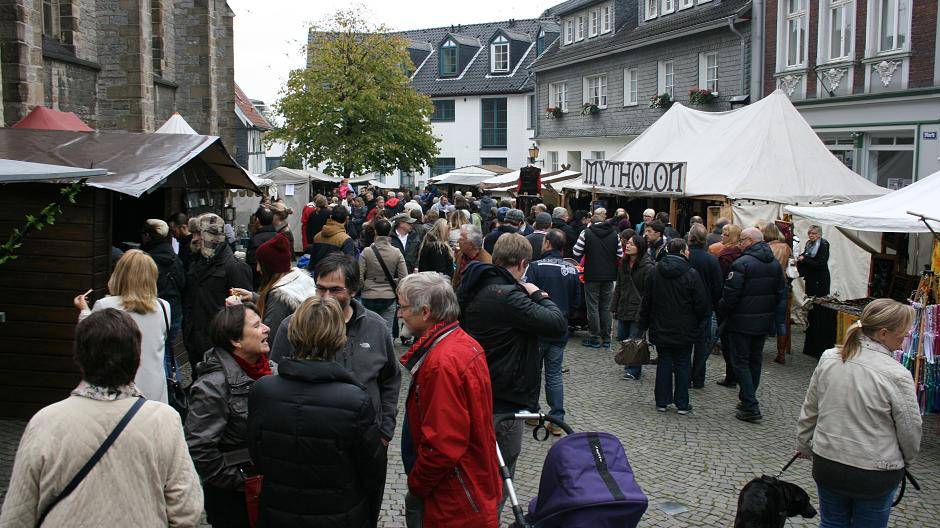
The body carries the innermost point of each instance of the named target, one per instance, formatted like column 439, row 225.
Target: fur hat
column 275, row 255
column 211, row 228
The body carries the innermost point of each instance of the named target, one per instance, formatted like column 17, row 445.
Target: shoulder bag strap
column 388, row 275
column 82, row 473
column 169, row 361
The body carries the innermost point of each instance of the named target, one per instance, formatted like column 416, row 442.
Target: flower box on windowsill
column 662, row 100
column 702, row 97
column 554, row 112
column 589, row 108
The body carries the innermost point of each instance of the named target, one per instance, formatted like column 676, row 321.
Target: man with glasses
column 753, row 304
column 369, row 354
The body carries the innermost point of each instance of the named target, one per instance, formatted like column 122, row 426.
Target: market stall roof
column 764, row 151
column 380, row 185
column 548, row 179
column 137, row 163
column 42, row 118
column 260, row 182
column 886, row 213
column 13, row 171
column 471, row 175
column 175, row 125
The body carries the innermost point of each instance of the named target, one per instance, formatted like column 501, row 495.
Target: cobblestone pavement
column 701, row 461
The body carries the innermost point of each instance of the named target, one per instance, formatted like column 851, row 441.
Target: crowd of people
column 296, row 379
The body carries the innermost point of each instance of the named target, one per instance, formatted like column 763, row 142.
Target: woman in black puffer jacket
column 312, row 431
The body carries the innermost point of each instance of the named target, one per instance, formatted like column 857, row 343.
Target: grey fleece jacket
column 368, row 354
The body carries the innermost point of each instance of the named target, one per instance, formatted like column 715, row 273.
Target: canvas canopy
column 42, row 118
column 175, row 125
column 764, row 151
column 886, row 214
column 13, row 171
column 471, row 175
column 137, row 163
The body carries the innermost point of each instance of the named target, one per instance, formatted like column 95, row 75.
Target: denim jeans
column 597, row 299
column 838, row 511
column 385, row 308
column 552, row 356
column 702, row 349
column 626, row 330
column 674, row 364
column 747, row 356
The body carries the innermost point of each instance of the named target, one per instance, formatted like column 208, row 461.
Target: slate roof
column 476, row 79
column 568, row 7
column 628, row 38
column 244, row 104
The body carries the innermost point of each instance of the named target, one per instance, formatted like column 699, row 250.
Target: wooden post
column 673, row 211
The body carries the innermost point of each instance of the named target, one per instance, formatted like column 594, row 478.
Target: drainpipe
column 757, row 49
column 743, row 52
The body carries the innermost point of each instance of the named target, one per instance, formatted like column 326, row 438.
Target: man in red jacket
column 448, row 442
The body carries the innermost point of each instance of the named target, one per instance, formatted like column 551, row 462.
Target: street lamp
column 533, row 153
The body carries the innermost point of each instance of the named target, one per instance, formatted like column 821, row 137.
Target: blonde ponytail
column 880, row 313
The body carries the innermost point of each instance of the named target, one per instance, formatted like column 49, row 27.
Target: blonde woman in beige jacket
column 861, row 423
column 145, row 479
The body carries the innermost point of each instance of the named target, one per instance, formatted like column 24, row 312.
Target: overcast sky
column 270, row 34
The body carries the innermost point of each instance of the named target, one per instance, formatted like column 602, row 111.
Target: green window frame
column 493, row 123
column 443, row 110
column 449, row 59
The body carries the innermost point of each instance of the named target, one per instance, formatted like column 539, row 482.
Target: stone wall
column 620, row 120
column 72, row 87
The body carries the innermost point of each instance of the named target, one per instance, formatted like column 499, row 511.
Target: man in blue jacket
column 560, row 280
column 754, row 304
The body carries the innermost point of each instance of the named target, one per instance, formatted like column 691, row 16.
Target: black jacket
column 316, row 221
column 171, row 281
column 312, row 433
column 631, row 288
column 536, row 239
column 709, row 270
column 754, row 300
column 675, row 303
column 487, row 207
column 815, row 270
column 601, row 241
column 410, row 249
column 558, row 278
column 496, row 311
column 570, row 236
column 436, row 257
column 207, row 285
column 489, row 241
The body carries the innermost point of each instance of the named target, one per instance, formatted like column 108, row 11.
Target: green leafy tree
column 353, row 107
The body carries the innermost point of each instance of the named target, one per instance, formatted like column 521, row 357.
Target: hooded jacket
column 487, row 207
column 450, row 418
column 217, row 422
column 631, row 288
column 600, row 245
column 675, row 303
column 207, row 285
column 286, row 296
column 333, row 233
column 496, row 311
column 312, row 434
column 171, row 280
column 754, row 300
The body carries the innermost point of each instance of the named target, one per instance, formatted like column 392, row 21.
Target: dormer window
column 569, row 31
column 652, row 9
column 606, row 19
column 579, row 36
column 540, row 42
column 449, row 58
column 499, row 55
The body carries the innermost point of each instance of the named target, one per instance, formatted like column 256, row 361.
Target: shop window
column 891, row 160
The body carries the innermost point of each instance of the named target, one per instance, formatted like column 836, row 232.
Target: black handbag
column 633, row 351
column 176, row 395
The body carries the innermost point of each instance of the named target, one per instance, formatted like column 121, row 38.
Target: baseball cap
column 402, row 217
column 515, row 215
column 501, row 213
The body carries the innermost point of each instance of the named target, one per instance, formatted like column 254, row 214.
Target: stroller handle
column 541, row 417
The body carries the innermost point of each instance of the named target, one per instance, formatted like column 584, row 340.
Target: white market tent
column 471, row 175
column 175, row 125
column 884, row 214
column 760, row 158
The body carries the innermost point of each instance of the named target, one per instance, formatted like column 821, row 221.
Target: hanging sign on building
column 646, row 177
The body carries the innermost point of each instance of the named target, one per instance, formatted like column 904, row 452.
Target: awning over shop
column 42, row 118
column 13, row 171
column 764, row 151
column 471, row 175
column 550, row 180
column 888, row 213
column 137, row 163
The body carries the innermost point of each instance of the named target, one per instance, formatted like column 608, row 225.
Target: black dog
column 766, row 502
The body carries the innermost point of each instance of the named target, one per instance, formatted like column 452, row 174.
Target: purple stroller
column 586, row 482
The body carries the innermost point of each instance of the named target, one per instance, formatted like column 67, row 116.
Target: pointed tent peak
column 175, row 125
column 43, row 118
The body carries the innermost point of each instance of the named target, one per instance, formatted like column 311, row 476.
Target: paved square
column 701, row 461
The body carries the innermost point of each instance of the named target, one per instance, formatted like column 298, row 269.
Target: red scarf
column 421, row 341
column 255, row 371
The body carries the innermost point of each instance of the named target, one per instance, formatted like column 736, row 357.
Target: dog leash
column 786, row 467
column 907, row 477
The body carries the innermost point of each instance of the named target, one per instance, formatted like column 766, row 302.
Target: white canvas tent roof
column 471, row 175
column 764, row 151
column 175, row 125
column 14, row 171
column 886, row 213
